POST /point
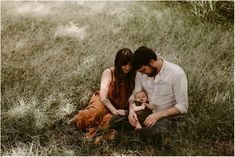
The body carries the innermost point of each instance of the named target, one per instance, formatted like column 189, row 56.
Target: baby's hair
column 140, row 92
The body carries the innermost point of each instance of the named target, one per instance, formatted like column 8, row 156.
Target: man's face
column 148, row 70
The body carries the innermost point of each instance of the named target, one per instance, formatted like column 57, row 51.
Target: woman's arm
column 104, row 88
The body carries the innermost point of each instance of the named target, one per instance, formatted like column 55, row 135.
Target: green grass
column 53, row 54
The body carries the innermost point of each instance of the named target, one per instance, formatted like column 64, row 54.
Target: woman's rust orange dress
column 96, row 116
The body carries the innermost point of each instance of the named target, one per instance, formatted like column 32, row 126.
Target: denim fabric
column 162, row 126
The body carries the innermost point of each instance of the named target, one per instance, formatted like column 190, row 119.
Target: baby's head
column 141, row 96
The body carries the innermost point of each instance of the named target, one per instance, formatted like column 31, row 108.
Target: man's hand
column 118, row 112
column 152, row 119
column 132, row 118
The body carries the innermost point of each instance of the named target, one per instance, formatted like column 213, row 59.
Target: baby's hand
column 143, row 106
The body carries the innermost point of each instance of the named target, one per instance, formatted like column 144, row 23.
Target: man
column 166, row 86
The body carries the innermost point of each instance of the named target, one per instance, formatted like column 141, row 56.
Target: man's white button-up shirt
column 167, row 89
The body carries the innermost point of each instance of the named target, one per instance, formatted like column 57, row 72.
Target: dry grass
column 53, row 54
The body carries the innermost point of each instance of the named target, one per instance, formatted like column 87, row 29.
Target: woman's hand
column 118, row 112
column 132, row 118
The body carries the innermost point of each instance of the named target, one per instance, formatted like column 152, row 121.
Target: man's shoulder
column 141, row 76
column 176, row 69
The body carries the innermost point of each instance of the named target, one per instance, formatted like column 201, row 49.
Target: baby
column 142, row 108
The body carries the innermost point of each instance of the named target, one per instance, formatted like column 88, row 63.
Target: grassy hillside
column 53, row 54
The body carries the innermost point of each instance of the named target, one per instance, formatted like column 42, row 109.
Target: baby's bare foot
column 138, row 126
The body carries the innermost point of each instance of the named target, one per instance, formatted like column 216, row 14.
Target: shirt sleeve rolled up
column 181, row 92
column 138, row 86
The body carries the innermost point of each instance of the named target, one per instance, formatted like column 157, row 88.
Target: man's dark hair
column 142, row 56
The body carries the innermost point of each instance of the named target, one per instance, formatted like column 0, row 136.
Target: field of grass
column 53, row 54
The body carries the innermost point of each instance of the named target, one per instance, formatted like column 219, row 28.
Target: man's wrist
column 131, row 106
column 163, row 114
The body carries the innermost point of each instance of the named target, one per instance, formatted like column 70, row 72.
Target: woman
column 117, row 84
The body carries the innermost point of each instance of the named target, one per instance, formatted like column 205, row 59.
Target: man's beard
column 154, row 72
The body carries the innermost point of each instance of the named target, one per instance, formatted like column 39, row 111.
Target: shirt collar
column 163, row 67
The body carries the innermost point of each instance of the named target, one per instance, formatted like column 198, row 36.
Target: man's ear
column 151, row 62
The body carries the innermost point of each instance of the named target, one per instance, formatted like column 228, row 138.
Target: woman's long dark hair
column 123, row 57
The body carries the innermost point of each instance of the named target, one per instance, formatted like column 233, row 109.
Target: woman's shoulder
column 109, row 70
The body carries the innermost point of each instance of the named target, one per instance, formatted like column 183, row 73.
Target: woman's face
column 126, row 68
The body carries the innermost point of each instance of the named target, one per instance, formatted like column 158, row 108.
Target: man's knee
column 163, row 126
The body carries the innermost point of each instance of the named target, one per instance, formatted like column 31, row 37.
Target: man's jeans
column 162, row 126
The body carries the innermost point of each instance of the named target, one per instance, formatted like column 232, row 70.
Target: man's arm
column 132, row 117
column 138, row 87
column 181, row 92
column 181, row 96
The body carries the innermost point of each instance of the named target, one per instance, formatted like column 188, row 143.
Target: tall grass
column 215, row 11
column 53, row 55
